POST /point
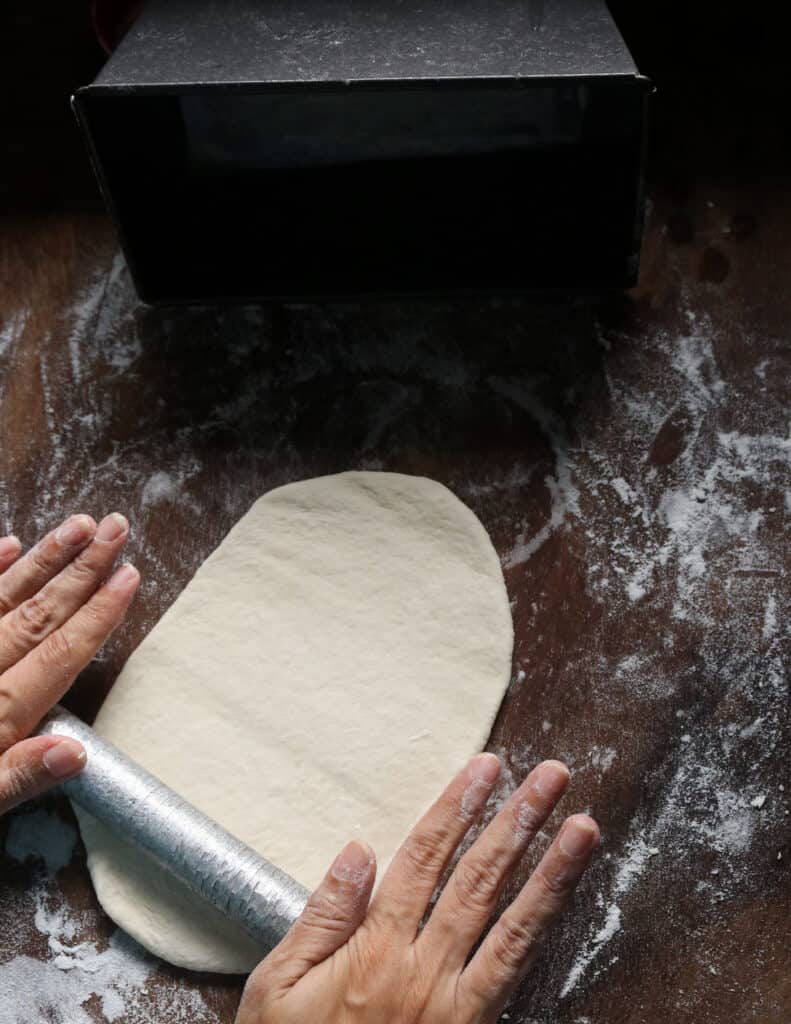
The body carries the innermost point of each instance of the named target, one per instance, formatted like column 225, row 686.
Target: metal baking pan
column 251, row 150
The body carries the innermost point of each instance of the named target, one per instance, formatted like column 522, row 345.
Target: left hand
column 56, row 610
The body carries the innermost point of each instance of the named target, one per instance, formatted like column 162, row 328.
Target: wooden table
column 629, row 456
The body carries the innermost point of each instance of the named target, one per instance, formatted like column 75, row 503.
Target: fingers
column 10, row 550
column 34, row 619
column 33, row 766
column 332, row 915
column 513, row 944
column 39, row 680
column 29, row 574
column 471, row 894
column 413, row 875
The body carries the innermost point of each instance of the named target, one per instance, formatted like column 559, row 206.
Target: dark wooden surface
column 629, row 456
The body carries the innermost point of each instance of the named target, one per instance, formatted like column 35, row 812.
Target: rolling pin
column 213, row 864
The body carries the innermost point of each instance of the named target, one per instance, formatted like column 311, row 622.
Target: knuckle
column 324, row 912
column 512, row 941
column 6, row 703
column 40, row 559
column 83, row 572
column 17, row 783
column 477, row 881
column 529, row 819
column 424, row 853
column 36, row 617
column 10, row 733
column 554, row 883
column 359, row 992
column 99, row 615
column 56, row 651
column 357, row 1001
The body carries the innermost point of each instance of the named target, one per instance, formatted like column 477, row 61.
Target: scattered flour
column 84, row 452
column 602, row 758
column 518, row 476
column 564, row 496
column 57, row 989
column 669, row 485
column 623, row 490
column 631, row 867
column 163, row 487
column 13, row 328
column 700, row 814
column 102, row 322
column 159, row 487
column 682, row 527
column 770, row 618
column 37, row 834
column 76, row 973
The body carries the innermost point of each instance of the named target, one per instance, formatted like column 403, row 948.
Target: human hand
column 347, row 962
column 55, row 613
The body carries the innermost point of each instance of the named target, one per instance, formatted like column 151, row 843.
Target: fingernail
column 112, row 527
column 123, row 577
column 74, row 531
column 353, row 863
column 551, row 779
column 66, row 758
column 578, row 837
column 9, row 546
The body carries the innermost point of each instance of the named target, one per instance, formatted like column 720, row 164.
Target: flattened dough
column 323, row 675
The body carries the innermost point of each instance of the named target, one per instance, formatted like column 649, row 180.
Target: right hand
column 57, row 608
column 345, row 962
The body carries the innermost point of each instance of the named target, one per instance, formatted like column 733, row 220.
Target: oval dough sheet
column 323, row 675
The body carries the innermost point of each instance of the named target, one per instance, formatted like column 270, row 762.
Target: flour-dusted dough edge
column 230, row 951
column 134, row 899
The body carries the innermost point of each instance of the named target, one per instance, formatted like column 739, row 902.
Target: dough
column 322, row 677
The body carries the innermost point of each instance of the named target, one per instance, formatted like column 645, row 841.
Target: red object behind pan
column 112, row 19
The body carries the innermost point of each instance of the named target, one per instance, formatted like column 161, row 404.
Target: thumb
column 331, row 916
column 33, row 766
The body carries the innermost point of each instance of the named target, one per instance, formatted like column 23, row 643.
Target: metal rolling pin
column 215, row 865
